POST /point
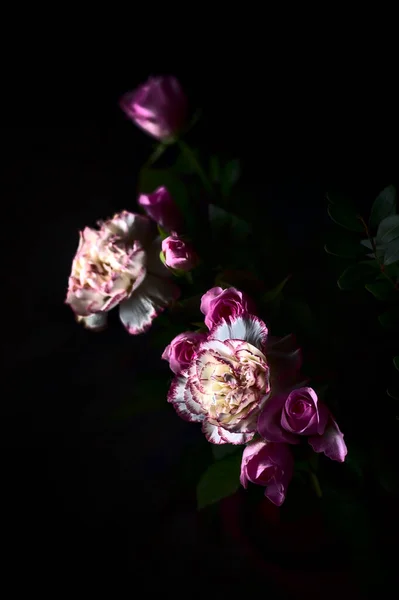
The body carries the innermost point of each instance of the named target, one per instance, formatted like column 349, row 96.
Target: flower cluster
column 244, row 388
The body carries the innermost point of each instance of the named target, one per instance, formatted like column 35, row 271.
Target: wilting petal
column 269, row 422
column 148, row 301
column 84, row 302
column 235, row 438
column 331, row 442
column 248, row 328
column 176, row 396
column 96, row 322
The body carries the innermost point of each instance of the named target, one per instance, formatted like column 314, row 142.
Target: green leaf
column 220, row 451
column 345, row 216
column 384, row 206
column 367, row 244
column 392, row 252
column 220, row 480
column 393, row 393
column 227, row 226
column 231, row 174
column 396, row 362
column 357, row 276
column 388, row 229
column 214, row 168
column 344, row 247
column 390, row 319
column 381, row 289
column 276, row 291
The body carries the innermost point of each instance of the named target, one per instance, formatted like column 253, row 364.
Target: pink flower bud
column 181, row 350
column 158, row 106
column 218, row 304
column 161, row 207
column 179, row 254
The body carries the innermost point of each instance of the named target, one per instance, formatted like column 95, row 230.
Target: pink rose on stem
column 287, row 417
column 158, row 106
column 160, row 206
column 218, row 304
column 270, row 465
column 119, row 264
column 181, row 350
column 179, row 254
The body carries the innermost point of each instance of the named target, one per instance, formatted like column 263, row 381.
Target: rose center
column 299, row 408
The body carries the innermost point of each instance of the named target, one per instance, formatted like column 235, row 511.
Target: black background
column 84, row 496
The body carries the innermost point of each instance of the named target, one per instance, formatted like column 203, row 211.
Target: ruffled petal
column 235, row 438
column 147, row 302
column 212, row 433
column 177, row 395
column 248, row 328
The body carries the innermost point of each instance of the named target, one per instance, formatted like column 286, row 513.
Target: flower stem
column 315, row 484
column 197, row 166
column 380, row 264
column 157, row 153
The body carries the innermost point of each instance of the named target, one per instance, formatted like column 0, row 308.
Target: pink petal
column 206, row 298
column 269, row 421
column 247, row 328
column 147, row 302
column 154, row 263
column 331, row 442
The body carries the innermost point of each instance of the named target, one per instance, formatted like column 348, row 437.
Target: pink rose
column 218, row 304
column 119, row 264
column 179, row 254
column 161, row 207
column 158, row 106
column 226, row 383
column 181, row 350
column 270, row 465
column 287, row 417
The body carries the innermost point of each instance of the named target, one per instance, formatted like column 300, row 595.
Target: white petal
column 216, row 345
column 248, row 328
column 176, row 396
column 211, row 433
column 235, row 438
column 148, row 301
column 131, row 225
column 94, row 322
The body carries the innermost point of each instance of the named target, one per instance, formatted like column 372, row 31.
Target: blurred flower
column 181, row 350
column 158, row 106
column 179, row 254
column 287, row 417
column 160, row 206
column 226, row 383
column 218, row 304
column 270, row 465
column 119, row 264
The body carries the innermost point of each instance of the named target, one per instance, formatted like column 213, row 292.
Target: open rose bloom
column 118, row 265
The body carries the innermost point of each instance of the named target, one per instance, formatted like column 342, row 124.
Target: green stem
column 159, row 150
column 315, row 484
column 380, row 264
column 197, row 166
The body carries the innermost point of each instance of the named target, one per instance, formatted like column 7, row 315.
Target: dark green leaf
column 388, row 229
column 214, row 168
column 391, row 252
column 393, row 393
column 345, row 216
column 227, row 226
column 384, row 206
column 396, row 362
column 344, row 247
column 223, row 450
column 276, row 291
column 382, row 289
column 357, row 276
column 231, row 174
column 367, row 244
column 222, row 479
column 390, row 319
